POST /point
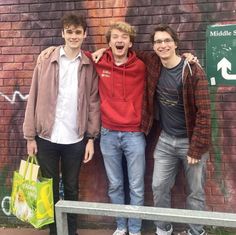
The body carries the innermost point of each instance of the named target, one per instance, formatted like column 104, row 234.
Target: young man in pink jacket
column 63, row 113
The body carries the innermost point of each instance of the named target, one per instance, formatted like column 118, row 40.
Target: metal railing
column 142, row 212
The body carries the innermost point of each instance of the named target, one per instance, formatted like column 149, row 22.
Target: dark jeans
column 51, row 157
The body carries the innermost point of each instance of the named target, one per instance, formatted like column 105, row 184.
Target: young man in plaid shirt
column 179, row 93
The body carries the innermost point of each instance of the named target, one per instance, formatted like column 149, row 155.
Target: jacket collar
column 56, row 54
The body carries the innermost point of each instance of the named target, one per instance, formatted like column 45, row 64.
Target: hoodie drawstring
column 123, row 82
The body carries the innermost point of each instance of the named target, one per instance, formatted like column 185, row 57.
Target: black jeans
column 68, row 157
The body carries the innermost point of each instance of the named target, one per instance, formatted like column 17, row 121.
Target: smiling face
column 74, row 36
column 164, row 45
column 119, row 43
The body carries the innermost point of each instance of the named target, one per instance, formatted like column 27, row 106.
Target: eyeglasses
column 166, row 41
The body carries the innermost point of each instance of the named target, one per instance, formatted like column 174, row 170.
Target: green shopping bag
column 32, row 201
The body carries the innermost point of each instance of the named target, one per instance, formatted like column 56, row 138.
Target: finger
column 191, row 161
column 96, row 59
column 85, row 156
column 195, row 161
column 87, row 159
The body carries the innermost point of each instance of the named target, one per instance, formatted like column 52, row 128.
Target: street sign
column 221, row 54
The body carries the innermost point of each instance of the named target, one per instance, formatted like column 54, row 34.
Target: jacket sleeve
column 201, row 137
column 94, row 108
column 29, row 128
column 144, row 55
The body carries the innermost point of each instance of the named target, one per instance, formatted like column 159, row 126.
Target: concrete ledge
column 143, row 212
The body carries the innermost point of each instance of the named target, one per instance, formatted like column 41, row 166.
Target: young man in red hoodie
column 121, row 87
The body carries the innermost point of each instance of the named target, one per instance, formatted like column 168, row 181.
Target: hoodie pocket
column 119, row 112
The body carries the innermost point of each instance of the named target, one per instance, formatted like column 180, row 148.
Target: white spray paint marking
column 13, row 99
column 6, row 205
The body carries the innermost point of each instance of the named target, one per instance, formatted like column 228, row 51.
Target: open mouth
column 119, row 47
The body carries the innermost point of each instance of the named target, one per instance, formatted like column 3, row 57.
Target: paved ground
column 31, row 231
column 28, row 231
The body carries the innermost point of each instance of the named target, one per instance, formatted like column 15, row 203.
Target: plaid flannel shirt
column 196, row 103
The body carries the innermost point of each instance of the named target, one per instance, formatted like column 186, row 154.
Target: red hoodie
column 121, row 91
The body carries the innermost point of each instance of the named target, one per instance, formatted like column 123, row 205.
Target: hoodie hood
column 131, row 57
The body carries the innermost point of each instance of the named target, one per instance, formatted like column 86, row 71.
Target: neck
column 120, row 60
column 71, row 53
column 171, row 62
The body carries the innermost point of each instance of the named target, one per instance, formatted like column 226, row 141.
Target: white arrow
column 224, row 64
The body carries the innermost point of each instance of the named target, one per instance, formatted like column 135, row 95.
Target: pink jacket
column 41, row 105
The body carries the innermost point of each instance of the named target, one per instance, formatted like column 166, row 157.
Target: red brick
column 24, row 58
column 12, row 66
column 118, row 12
column 10, row 17
column 19, row 8
column 24, row 74
column 6, row 42
column 40, row 7
column 5, row 9
column 21, row 25
column 30, row 33
column 31, row 50
column 100, row 13
column 88, row 4
column 29, row 66
column 11, row 50
column 27, row 82
column 6, row 74
column 22, row 41
column 5, row 25
column 108, row 21
column 112, row 3
column 145, row 3
column 215, row 199
column 6, row 58
column 10, row 34
column 29, row 16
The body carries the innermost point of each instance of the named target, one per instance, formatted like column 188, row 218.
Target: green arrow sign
column 221, row 54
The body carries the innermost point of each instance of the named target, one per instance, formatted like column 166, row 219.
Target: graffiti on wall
column 14, row 121
column 13, row 99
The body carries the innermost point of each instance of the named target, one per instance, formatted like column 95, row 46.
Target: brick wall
column 28, row 26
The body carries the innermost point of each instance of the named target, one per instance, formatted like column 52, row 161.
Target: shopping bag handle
column 35, row 161
column 31, row 159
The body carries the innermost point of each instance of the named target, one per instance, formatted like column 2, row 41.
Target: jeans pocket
column 104, row 131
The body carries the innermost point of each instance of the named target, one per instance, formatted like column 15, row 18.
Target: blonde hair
column 122, row 26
